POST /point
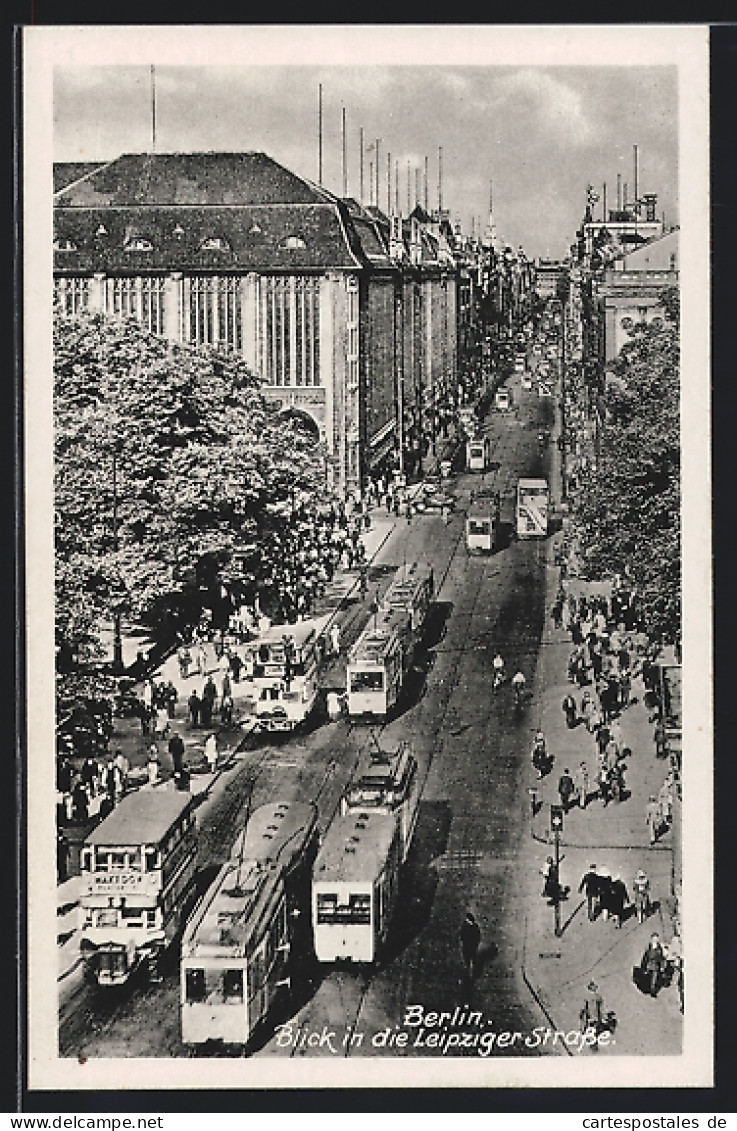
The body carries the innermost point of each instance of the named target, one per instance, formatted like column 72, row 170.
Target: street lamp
column 556, row 827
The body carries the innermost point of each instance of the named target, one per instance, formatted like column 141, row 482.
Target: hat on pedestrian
column 641, row 875
column 592, row 986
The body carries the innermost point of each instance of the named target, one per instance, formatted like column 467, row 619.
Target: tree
column 170, row 467
column 628, row 510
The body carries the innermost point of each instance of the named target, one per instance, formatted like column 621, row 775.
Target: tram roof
column 528, row 481
column 356, row 847
column 239, row 901
column 273, row 828
column 142, row 817
column 374, row 642
column 382, row 767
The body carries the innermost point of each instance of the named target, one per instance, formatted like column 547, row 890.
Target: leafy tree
column 628, row 510
column 170, row 469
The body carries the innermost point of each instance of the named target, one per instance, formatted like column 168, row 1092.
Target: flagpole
column 153, row 108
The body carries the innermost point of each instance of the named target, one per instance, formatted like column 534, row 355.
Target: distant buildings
column 349, row 316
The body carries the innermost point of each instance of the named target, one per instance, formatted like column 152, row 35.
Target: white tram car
column 138, row 869
column 282, row 669
column 386, row 782
column 379, row 659
column 355, row 886
column 478, row 453
column 251, row 934
column 482, row 523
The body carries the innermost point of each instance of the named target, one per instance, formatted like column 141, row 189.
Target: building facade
column 348, row 316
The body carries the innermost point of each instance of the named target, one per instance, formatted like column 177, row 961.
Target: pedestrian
column 363, row 581
column 652, row 965
column 566, row 789
column 604, row 783
column 226, row 710
column 652, row 818
column 161, row 722
column 618, row 900
column 209, row 695
column 184, row 657
column 62, row 857
column 194, row 704
column 123, row 767
column 153, row 764
column 641, row 891
column 176, row 750
column 582, row 785
column 335, row 640
column 236, row 664
column 570, row 711
column 674, row 958
column 470, row 941
column 591, row 887
column 334, row 706
column 592, row 1012
column 551, row 884
column 665, row 801
column 211, row 752
column 171, row 698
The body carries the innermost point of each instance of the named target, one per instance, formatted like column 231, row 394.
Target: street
column 472, row 749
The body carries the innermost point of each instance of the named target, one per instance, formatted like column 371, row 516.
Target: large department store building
column 348, row 316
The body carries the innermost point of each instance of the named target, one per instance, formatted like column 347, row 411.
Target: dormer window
column 214, row 243
column 138, row 243
column 61, row 243
column 294, row 243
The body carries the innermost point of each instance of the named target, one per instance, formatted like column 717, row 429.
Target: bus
column 282, row 668
column 137, row 884
column 478, row 453
column 386, row 782
column 355, row 887
column 482, row 523
column 251, row 935
column 532, row 508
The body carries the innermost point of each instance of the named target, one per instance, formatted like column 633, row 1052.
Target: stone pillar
column 250, row 300
column 173, row 306
column 96, row 301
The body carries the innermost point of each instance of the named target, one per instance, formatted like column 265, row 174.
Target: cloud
column 557, row 108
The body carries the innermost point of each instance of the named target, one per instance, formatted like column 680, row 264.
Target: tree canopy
column 170, row 470
column 628, row 508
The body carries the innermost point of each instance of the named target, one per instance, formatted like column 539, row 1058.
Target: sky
column 539, row 134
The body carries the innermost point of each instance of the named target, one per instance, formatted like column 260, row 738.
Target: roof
column 408, row 580
column 299, row 632
column 143, row 817
column 67, row 172
column 191, row 179
column 383, row 767
column 271, row 829
column 141, row 238
column 356, row 847
column 237, row 905
column 378, row 636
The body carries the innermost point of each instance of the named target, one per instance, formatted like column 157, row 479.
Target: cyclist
column 518, row 683
column 498, row 665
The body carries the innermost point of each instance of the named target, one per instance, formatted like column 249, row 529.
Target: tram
column 478, row 453
column 138, row 870
column 502, row 399
column 282, row 668
column 386, row 782
column 380, row 658
column 532, row 508
column 251, row 935
column 355, row 886
column 482, row 523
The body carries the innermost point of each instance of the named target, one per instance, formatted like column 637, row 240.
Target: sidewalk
column 615, row 837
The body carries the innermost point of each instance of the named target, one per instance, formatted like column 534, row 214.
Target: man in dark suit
column 591, row 885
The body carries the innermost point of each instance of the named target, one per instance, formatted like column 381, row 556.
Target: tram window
column 356, row 910
column 478, row 526
column 153, row 860
column 134, row 860
column 263, row 653
column 291, row 696
column 151, row 918
column 107, row 917
column 131, row 916
column 367, row 681
column 233, row 985
column 195, row 987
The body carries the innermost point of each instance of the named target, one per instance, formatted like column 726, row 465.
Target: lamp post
column 556, row 827
column 117, row 626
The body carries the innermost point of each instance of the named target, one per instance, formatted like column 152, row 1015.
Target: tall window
column 72, row 294
column 140, row 297
column 215, row 314
column 290, row 324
